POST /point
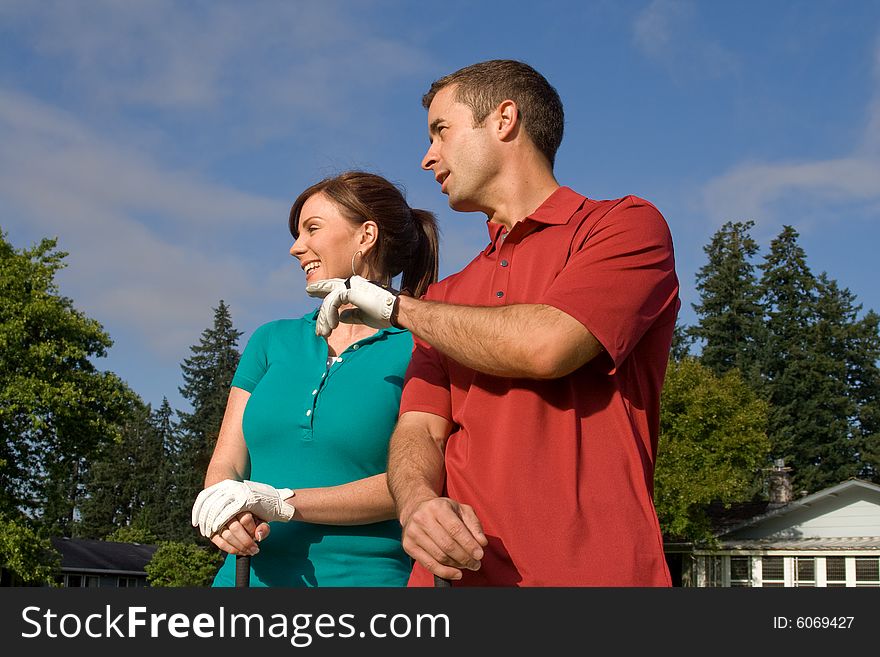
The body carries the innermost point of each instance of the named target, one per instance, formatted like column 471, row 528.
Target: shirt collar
column 557, row 209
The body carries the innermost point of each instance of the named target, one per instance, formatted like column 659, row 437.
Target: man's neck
column 519, row 197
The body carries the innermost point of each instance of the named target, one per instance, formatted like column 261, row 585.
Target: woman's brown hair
column 408, row 242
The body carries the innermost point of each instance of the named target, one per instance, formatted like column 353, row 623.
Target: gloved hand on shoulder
column 376, row 304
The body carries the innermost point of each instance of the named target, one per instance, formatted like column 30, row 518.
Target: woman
column 315, row 415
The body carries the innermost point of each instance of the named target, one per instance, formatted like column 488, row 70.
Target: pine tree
column 164, row 525
column 867, row 385
column 163, row 422
column 207, row 376
column 126, row 487
column 863, row 381
column 681, row 343
column 730, row 316
column 801, row 345
column 793, row 378
column 837, row 457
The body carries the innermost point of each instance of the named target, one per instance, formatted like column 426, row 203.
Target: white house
column 829, row 538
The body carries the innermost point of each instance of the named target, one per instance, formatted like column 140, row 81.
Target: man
column 535, row 382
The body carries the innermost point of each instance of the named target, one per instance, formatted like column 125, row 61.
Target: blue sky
column 163, row 142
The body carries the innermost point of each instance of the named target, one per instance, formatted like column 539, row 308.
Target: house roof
column 746, row 515
column 85, row 555
column 726, row 517
column 801, row 544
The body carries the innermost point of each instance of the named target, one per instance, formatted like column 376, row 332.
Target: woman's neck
column 345, row 335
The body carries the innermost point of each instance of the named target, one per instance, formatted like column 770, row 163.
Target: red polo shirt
column 560, row 472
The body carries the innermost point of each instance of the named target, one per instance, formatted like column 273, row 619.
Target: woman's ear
column 369, row 235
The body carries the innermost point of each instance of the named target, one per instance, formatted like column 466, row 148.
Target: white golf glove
column 217, row 504
column 375, row 304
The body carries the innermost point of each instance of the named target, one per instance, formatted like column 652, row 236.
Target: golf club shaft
column 242, row 571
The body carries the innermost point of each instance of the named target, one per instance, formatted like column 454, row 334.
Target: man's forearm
column 525, row 340
column 415, row 468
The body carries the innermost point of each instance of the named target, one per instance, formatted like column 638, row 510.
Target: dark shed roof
column 90, row 556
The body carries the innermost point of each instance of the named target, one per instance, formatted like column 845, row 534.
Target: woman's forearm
column 356, row 503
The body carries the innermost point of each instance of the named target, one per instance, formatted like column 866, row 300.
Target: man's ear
column 506, row 120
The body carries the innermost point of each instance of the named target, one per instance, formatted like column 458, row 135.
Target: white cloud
column 654, row 26
column 112, row 112
column 138, row 235
column 748, row 190
column 666, row 32
column 45, row 145
column 192, row 57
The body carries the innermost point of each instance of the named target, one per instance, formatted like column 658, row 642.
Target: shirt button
column 338, row 360
column 308, row 412
column 356, row 347
column 314, row 392
column 504, row 263
column 499, row 294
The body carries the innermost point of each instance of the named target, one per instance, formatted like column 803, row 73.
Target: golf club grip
column 440, row 583
column 242, row 571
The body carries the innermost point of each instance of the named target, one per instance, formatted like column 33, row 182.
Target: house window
column 714, row 571
column 835, row 571
column 773, row 572
column 805, row 571
column 79, row 581
column 867, row 571
column 127, row 582
column 740, row 571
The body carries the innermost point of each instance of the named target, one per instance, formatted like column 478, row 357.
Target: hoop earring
column 353, row 256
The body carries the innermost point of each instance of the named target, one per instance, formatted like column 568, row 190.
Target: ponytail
column 422, row 267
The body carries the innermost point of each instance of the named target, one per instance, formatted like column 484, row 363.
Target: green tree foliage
column 804, row 367
column 712, row 446
column 730, row 322
column 56, row 409
column 30, row 558
column 800, row 343
column 207, row 376
column 682, row 340
column 864, row 381
column 833, row 410
column 127, row 484
column 165, row 524
column 132, row 535
column 178, row 564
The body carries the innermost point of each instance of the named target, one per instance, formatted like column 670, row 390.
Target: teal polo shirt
column 309, row 425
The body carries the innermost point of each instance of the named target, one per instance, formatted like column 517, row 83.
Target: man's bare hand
column 444, row 536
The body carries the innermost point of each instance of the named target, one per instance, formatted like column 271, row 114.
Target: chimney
column 780, row 484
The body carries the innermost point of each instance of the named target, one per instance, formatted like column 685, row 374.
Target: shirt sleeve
column 621, row 278
column 254, row 360
column 426, row 386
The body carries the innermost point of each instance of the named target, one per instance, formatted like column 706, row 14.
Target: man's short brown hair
column 485, row 85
